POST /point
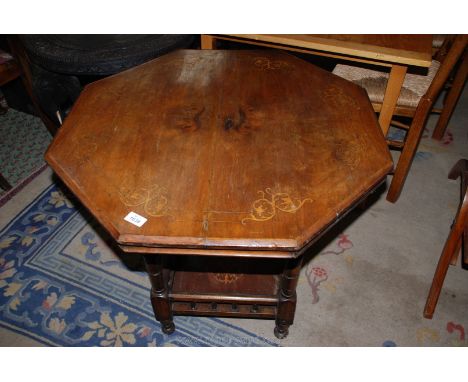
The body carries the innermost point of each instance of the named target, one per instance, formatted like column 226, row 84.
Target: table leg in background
column 208, row 42
column 392, row 92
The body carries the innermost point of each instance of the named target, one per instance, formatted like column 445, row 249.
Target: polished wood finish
column 452, row 98
column 244, row 155
column 457, row 239
column 421, row 114
column 183, row 158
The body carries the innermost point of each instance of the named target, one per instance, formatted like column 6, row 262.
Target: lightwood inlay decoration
column 266, row 207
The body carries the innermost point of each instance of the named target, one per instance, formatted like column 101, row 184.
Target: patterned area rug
column 61, row 284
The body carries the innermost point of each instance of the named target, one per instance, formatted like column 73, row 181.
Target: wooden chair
column 439, row 45
column 417, row 97
column 457, row 239
column 453, row 94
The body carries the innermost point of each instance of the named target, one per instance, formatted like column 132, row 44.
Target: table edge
column 350, row 49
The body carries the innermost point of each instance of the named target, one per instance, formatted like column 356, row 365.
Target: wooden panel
column 238, row 285
column 221, row 149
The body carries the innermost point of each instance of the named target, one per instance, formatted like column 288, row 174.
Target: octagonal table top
column 228, row 150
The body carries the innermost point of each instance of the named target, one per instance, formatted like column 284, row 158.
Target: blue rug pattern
column 63, row 286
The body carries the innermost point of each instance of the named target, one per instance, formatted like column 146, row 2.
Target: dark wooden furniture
column 457, row 240
column 239, row 161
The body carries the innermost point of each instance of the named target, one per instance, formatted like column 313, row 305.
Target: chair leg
column 452, row 98
column 460, row 169
column 451, row 245
column 406, row 158
column 456, row 253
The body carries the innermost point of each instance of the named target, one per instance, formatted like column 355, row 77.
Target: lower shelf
column 241, row 287
column 223, row 294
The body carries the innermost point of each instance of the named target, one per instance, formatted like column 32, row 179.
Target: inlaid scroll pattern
column 84, row 149
column 338, row 98
column 266, row 207
column 349, row 153
column 264, row 63
column 152, row 198
column 226, row 278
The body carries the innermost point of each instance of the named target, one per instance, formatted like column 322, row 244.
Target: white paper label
column 135, row 219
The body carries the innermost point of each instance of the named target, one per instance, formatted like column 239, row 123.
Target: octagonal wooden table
column 222, row 168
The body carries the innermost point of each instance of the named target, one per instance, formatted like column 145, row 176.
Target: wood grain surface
column 221, row 149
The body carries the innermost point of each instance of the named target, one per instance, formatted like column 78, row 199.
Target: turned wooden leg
column 159, row 292
column 287, row 297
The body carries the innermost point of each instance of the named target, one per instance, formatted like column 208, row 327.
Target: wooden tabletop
column 238, row 150
column 415, row 50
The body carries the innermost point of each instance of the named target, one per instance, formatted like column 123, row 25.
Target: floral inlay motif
column 264, row 63
column 153, row 198
column 266, row 207
column 338, row 97
column 227, row 278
